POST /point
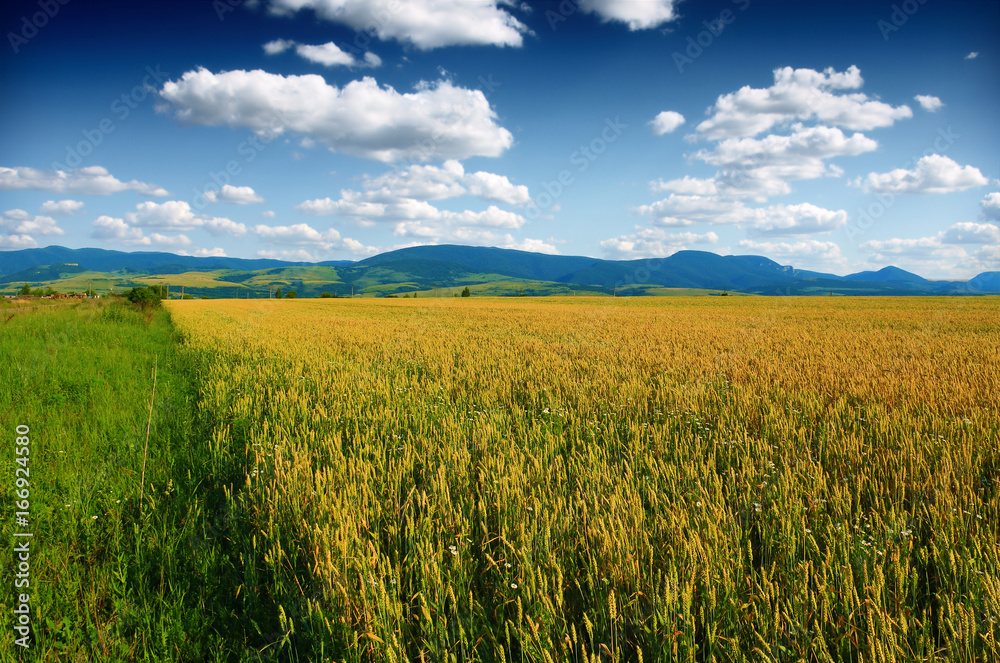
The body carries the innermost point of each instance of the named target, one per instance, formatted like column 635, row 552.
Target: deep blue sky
column 814, row 151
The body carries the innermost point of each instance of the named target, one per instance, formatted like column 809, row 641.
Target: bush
column 466, row 292
column 146, row 297
column 291, row 294
column 325, row 295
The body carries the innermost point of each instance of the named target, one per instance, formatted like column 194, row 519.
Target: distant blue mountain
column 457, row 265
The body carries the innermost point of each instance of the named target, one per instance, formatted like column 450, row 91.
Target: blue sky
column 828, row 136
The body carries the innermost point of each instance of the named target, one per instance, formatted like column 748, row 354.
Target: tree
column 291, row 294
column 466, row 292
column 145, row 298
column 325, row 295
column 277, row 293
column 25, row 290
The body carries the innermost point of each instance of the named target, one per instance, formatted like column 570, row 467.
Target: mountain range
column 485, row 270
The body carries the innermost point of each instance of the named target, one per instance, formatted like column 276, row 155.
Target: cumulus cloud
column 931, row 174
column 666, row 122
column 172, row 215
column 169, row 241
column 222, row 226
column 435, row 232
column 16, row 242
column 972, row 56
column 114, row 229
column 401, row 197
column 956, row 252
column 636, row 15
column 239, row 195
column 302, row 234
column 653, row 243
column 328, row 54
column 210, row 253
column 803, row 254
column 61, row 206
column 687, row 185
column 929, row 103
column 426, row 24
column 989, row 208
column 449, row 180
column 278, row 46
column 799, row 95
column 288, row 255
column 760, row 168
column 531, row 245
column 436, row 121
column 679, row 210
column 92, row 180
column 19, row 222
column 970, row 233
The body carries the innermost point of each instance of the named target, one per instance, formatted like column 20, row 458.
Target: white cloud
column 61, row 207
column 989, row 208
column 169, row 241
column 113, row 229
column 971, row 233
column 19, row 222
column 278, row 46
column 426, row 24
column 679, row 210
column 435, row 232
column 239, row 195
column 532, row 245
column 760, row 168
column 804, row 254
column 289, row 255
column 653, row 243
column 92, row 180
column 436, row 121
column 929, row 103
column 972, row 56
column 402, row 195
column 222, row 226
column 687, row 185
column 932, row 174
column 665, row 122
column 958, row 251
column 210, row 253
column 16, row 242
column 637, row 15
column 302, row 234
column 328, row 54
column 267, row 214
column 799, row 94
column 796, row 219
column 173, row 214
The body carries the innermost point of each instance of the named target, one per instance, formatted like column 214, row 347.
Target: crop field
column 598, row 479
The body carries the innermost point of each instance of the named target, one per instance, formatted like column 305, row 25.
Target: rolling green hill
column 444, row 269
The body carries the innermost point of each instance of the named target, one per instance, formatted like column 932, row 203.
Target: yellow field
column 614, row 479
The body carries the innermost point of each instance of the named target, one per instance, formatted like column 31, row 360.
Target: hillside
column 445, row 269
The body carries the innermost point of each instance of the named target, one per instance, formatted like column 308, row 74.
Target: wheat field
column 689, row 479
